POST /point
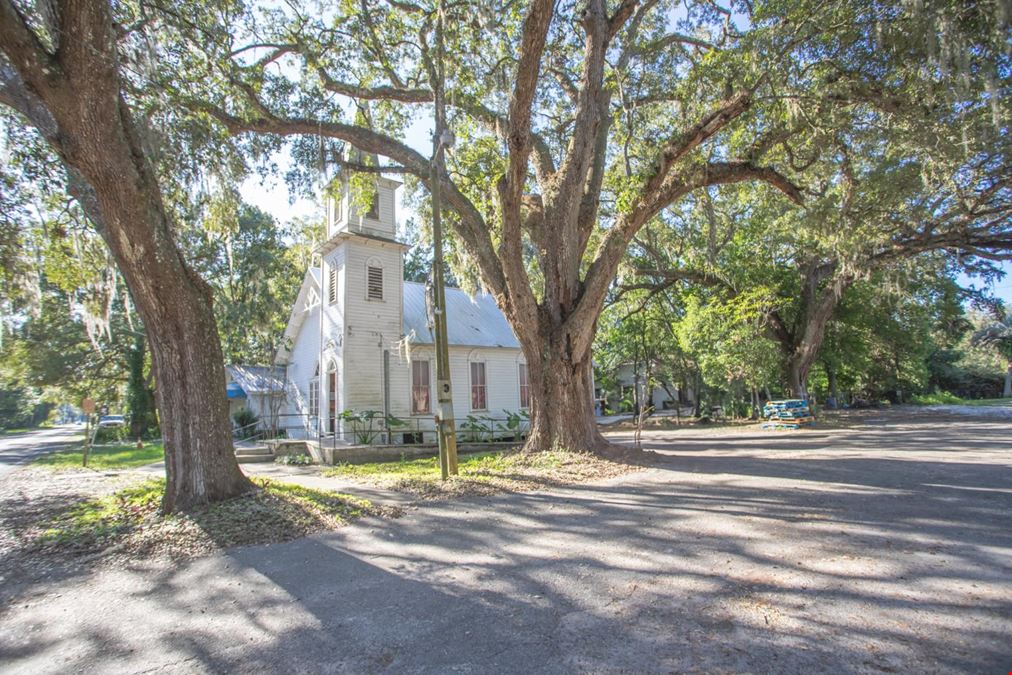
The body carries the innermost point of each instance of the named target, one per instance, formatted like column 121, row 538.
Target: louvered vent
column 332, row 286
column 375, row 282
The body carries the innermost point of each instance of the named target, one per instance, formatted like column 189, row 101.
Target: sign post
column 88, row 406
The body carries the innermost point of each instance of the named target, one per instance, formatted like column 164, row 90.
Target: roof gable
column 309, row 296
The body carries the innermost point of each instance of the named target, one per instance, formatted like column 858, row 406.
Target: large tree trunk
column 1007, row 391
column 200, row 460
column 834, row 400
column 562, row 400
column 800, row 344
column 73, row 98
column 797, row 375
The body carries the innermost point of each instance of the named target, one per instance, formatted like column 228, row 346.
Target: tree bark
column 1007, row 390
column 73, row 97
column 801, row 343
column 834, row 400
column 797, row 374
column 697, row 403
column 562, row 408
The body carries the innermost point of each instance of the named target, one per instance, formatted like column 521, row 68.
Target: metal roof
column 471, row 322
column 258, row 379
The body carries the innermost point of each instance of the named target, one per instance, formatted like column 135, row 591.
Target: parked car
column 112, row 421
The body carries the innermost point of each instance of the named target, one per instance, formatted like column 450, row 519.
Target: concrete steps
column 251, row 454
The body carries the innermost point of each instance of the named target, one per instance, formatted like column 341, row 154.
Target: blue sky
column 1002, row 289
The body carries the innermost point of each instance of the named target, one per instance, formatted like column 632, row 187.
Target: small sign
column 88, row 405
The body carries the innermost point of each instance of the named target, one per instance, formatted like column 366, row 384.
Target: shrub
column 245, row 418
column 111, row 434
column 939, row 398
column 294, row 460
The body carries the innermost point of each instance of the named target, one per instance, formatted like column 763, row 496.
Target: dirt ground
column 882, row 543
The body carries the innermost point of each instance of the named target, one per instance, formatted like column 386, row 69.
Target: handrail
column 411, row 431
column 237, row 434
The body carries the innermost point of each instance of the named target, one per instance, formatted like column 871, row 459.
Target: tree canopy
column 837, row 139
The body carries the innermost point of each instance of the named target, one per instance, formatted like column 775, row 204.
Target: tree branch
column 520, row 298
column 674, row 38
column 24, row 49
column 721, row 173
column 472, row 228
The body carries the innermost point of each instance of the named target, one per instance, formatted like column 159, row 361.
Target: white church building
column 358, row 338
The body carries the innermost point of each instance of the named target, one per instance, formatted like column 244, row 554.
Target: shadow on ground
column 880, row 548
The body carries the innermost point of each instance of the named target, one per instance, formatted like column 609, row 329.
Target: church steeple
column 343, row 215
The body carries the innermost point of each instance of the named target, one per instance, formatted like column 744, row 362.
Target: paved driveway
column 885, row 547
column 17, row 449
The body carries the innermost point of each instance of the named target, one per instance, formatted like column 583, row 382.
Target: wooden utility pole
column 441, row 139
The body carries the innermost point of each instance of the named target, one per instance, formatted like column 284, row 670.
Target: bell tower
column 345, row 215
column 362, row 277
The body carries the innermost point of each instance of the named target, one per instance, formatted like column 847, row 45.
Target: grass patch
column 15, row 430
column 939, row 398
column 129, row 522
column 484, row 473
column 407, row 468
column 118, row 456
column 987, row 402
column 945, row 398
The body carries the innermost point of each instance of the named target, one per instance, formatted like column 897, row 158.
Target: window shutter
column 332, row 286
column 375, row 283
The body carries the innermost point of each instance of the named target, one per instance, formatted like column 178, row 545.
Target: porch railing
column 388, row 430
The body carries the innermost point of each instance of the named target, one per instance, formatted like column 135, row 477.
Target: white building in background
column 631, row 385
column 260, row 389
column 358, row 338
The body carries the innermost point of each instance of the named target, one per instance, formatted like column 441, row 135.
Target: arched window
column 525, row 385
column 314, row 394
column 332, row 396
column 478, row 381
column 421, row 386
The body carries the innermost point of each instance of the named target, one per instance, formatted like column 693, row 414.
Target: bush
column 111, row 434
column 940, row 398
column 294, row 460
column 245, row 418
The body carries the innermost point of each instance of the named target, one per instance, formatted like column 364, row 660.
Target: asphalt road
column 17, row 449
column 880, row 548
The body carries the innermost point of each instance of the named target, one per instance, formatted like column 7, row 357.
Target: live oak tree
column 883, row 209
column 576, row 125
column 917, row 164
column 62, row 70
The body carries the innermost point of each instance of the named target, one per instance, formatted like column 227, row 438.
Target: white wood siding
column 371, row 326
column 501, row 374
